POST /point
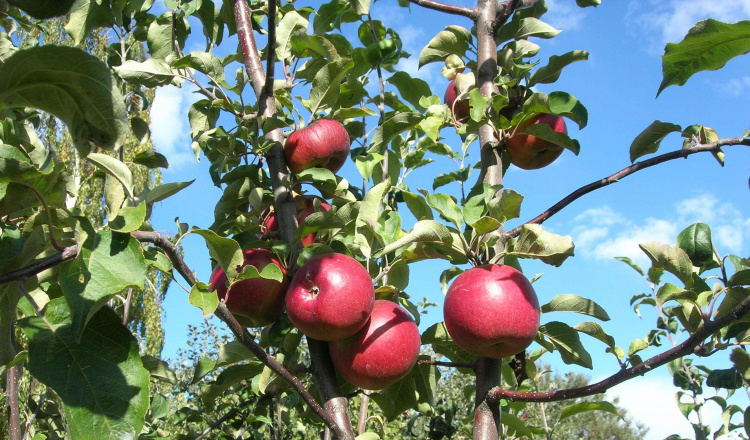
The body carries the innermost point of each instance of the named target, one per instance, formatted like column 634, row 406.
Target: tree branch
column 686, row 348
column 171, row 250
column 68, row 253
column 448, row 9
column 684, row 153
column 470, row 365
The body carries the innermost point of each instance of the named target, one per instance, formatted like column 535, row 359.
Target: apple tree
column 308, row 88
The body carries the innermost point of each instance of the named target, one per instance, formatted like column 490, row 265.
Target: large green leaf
column 411, row 89
column 672, row 259
column 452, row 40
column 647, row 142
column 87, row 15
column 429, row 231
column 535, row 242
column 707, row 46
column 695, row 240
column 551, row 72
column 565, row 340
column 72, row 85
column 524, row 28
column 326, row 85
column 150, row 73
column 115, row 168
column 99, row 379
column 581, row 407
column 437, row 336
column 107, row 263
column 393, row 127
column 225, row 251
column 43, row 9
column 289, row 25
column 368, row 215
column 577, row 304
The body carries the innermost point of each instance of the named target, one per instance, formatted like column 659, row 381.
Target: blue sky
column 618, row 85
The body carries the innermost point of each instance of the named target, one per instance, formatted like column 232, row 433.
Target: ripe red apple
column 324, row 143
column 460, row 109
column 492, row 311
column 255, row 302
column 531, row 153
column 330, row 297
column 270, row 223
column 382, row 352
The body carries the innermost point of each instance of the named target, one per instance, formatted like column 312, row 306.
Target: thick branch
column 170, row 249
column 686, row 348
column 68, row 253
column 448, row 9
column 684, row 153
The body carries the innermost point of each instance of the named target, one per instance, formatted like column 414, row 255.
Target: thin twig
column 616, row 177
column 686, row 348
column 67, row 253
column 470, row 365
column 233, row 412
column 448, row 9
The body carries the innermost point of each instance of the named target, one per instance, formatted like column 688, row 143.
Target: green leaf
column 545, row 132
column 729, row 379
column 565, row 340
column 43, row 9
column 636, row 346
column 587, row 3
column 107, row 263
column 366, row 163
column 205, row 300
column 417, row 205
column 114, row 168
column 128, row 218
column 524, row 28
column 394, row 399
column 437, row 336
column 72, row 85
column 596, row 331
column 551, row 72
column 446, row 206
column 669, row 292
column 512, row 421
column 367, row 436
column 565, row 104
column 99, row 379
column 535, row 242
column 165, row 190
column 411, row 89
column 741, row 360
column 452, row 40
column 630, row 263
column 158, row 369
column 204, row 62
column 150, row 159
column 672, row 259
column 326, row 85
column 367, row 217
column 318, row 221
column 424, row 231
column 577, row 304
column 291, row 23
column 87, row 15
column 581, row 407
column 224, row 250
column 695, row 240
column 229, row 377
column 391, row 128
column 150, row 73
column 648, row 141
column 707, row 46
column 361, row 7
column 740, row 278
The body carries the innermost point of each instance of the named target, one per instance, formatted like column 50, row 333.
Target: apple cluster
column 526, row 151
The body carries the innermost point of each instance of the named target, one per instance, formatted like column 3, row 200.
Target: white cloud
column 564, row 15
column 735, row 86
column 603, row 233
column 668, row 21
column 651, row 400
column 170, row 129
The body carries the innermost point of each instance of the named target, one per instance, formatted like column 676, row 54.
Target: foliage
column 66, row 257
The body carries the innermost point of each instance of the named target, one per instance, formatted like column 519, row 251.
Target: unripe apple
column 460, row 109
column 270, row 223
column 492, row 311
column 330, row 297
column 530, row 152
column 324, row 143
column 255, row 302
column 382, row 352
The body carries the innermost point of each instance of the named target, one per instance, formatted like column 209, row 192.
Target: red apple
column 382, row 352
column 255, row 302
column 270, row 223
column 460, row 109
column 324, row 143
column 330, row 297
column 492, row 311
column 531, row 153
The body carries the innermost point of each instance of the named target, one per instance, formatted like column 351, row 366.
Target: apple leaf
column 229, row 377
column 672, row 259
column 318, row 221
column 451, row 40
column 695, row 240
column 647, row 142
column 205, row 63
column 368, row 215
column 545, row 132
column 581, row 407
column 165, row 190
column 150, row 73
column 43, row 9
column 587, row 3
column 636, row 346
column 596, row 331
column 565, row 104
column 129, row 218
column 225, row 251
column 417, row 205
column 437, row 336
column 158, row 369
column 326, row 85
column 291, row 23
column 535, row 242
column 707, row 46
column 577, row 304
column 391, row 128
column 114, row 168
column 394, row 399
column 551, row 72
column 429, row 231
column 410, row 89
column 99, row 377
column 524, row 28
column 669, row 292
column 72, row 85
column 516, row 424
column 632, row 265
column 565, row 340
column 446, row 206
column 107, row 263
column 740, row 278
column 204, row 299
